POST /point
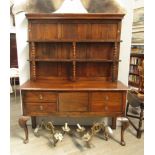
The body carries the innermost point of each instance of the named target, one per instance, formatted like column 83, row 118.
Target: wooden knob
column 40, row 97
column 41, row 107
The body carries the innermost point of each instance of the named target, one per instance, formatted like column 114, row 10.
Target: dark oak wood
column 60, row 85
column 33, row 120
column 73, row 16
column 74, row 61
column 113, row 126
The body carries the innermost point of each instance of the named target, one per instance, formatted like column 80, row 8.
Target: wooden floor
column 70, row 145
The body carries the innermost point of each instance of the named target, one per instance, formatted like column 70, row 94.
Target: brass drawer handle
column 107, row 98
column 41, row 107
column 40, row 97
column 106, row 108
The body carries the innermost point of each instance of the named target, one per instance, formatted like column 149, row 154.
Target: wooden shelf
column 51, row 60
column 71, row 40
column 77, row 60
column 134, row 64
column 140, row 55
column 142, row 44
column 133, row 84
column 134, row 73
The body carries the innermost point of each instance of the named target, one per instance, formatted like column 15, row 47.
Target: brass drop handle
column 107, row 97
column 106, row 108
column 41, row 107
column 40, row 97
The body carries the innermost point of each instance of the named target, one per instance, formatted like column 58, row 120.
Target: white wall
column 22, row 47
column 138, row 3
column 23, row 54
column 126, row 35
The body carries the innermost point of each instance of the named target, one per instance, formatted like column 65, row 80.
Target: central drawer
column 39, row 96
column 73, row 102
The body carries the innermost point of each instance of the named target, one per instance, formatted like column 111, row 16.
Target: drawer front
column 39, row 96
column 73, row 102
column 106, row 101
column 39, row 109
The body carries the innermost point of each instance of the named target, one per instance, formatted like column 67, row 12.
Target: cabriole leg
column 125, row 125
column 22, row 122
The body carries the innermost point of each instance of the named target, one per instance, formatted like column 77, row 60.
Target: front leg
column 114, row 119
column 22, row 122
column 125, row 125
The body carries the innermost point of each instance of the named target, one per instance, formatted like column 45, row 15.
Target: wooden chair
column 136, row 101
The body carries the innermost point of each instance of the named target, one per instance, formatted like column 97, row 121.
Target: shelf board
column 77, row 60
column 133, row 84
column 134, row 73
column 72, row 40
column 142, row 44
column 134, row 64
column 93, row 60
column 141, row 55
column 51, row 60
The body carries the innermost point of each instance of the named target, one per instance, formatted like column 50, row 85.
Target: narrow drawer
column 104, row 97
column 39, row 96
column 106, row 101
column 73, row 102
column 39, row 109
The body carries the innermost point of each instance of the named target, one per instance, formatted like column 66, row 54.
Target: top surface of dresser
column 73, row 86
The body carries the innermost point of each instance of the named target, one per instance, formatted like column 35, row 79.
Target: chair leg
column 127, row 108
column 139, row 131
column 124, row 126
column 14, row 85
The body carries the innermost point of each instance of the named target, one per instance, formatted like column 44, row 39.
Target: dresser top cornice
column 73, row 16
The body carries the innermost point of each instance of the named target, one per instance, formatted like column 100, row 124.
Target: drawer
column 35, row 109
column 103, row 97
column 106, row 101
column 73, row 102
column 39, row 96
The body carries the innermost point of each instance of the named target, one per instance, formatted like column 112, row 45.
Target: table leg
column 125, row 125
column 113, row 126
column 127, row 108
column 33, row 120
column 22, row 122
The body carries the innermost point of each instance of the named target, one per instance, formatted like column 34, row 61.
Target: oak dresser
column 74, row 62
